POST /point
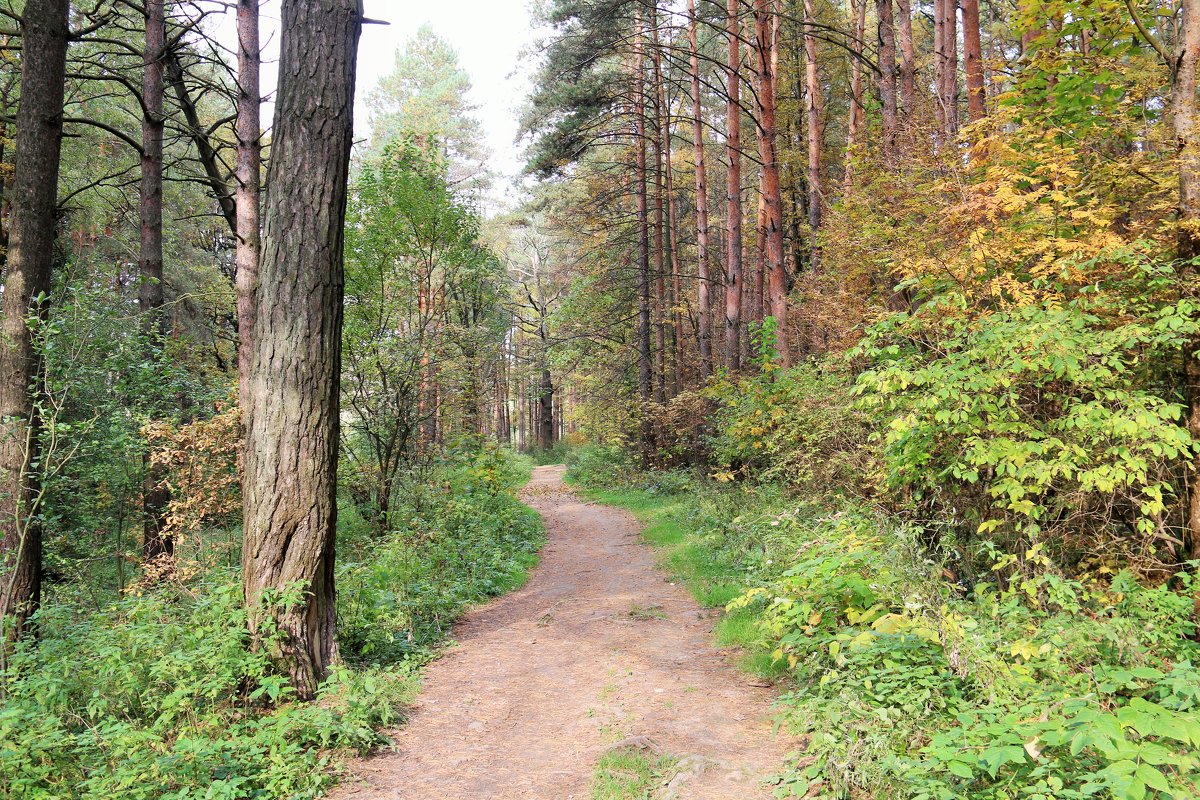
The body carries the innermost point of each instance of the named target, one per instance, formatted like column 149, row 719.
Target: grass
column 712, row 578
column 629, row 773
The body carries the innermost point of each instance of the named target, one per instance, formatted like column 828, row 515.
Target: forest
column 872, row 329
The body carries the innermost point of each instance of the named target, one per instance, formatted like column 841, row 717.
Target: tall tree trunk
column 973, row 61
column 670, row 240
column 519, row 390
column 814, row 107
column 946, row 59
column 660, row 219
column 289, row 482
column 939, row 63
column 733, row 193
column 645, row 363
column 249, row 165
column 887, row 77
column 704, row 324
column 856, row 116
column 672, row 251
column 777, row 278
column 157, row 544
column 908, row 57
column 758, row 298
column 1187, row 141
column 26, row 289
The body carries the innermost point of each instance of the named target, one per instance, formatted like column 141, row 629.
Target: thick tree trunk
column 887, row 77
column 26, row 288
column 777, row 278
column 908, row 57
column 290, row 477
column 733, row 194
column 249, row 165
column 1187, row 142
column 704, row 323
column 157, row 544
column 973, row 60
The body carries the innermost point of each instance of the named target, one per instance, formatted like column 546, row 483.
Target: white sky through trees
column 492, row 37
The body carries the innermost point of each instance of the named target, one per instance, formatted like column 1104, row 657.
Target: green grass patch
column 629, row 773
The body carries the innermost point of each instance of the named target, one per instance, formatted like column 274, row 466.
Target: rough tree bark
column 777, row 278
column 249, row 164
column 702, row 288
column 290, row 476
column 27, row 283
column 157, row 545
column 973, row 60
column 733, row 193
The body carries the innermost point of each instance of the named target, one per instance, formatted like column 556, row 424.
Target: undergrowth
column 159, row 694
column 906, row 684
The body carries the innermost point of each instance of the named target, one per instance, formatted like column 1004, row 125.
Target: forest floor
column 598, row 653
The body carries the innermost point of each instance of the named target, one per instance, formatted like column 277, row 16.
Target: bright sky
column 492, row 38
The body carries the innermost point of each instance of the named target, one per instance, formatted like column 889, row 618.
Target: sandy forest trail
column 596, row 648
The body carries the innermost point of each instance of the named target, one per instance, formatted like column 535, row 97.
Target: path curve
column 543, row 681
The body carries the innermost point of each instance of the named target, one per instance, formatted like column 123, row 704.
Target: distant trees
column 425, row 96
column 902, row 172
column 424, row 318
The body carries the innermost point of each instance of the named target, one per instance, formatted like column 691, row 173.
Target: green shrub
column 1032, row 423
column 595, row 466
column 160, row 696
column 792, row 427
column 462, row 540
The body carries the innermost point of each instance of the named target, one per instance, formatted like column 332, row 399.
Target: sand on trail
column 598, row 648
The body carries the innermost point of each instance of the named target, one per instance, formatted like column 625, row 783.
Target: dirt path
column 542, row 682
